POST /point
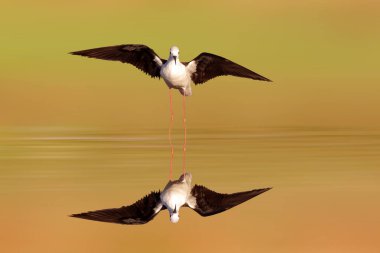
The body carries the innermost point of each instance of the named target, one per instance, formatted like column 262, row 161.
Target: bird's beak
column 175, row 59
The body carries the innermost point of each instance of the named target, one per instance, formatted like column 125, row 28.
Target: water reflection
column 325, row 183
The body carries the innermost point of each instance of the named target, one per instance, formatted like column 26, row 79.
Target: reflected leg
column 170, row 134
column 185, row 135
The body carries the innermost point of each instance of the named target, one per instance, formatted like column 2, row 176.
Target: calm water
column 325, row 197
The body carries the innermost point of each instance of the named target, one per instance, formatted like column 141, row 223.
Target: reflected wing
column 140, row 212
column 141, row 56
column 209, row 202
column 207, row 66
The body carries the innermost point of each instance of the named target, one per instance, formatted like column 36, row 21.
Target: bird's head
column 174, row 52
column 186, row 177
column 174, row 216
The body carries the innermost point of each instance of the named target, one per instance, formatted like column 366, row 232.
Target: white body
column 177, row 194
column 175, row 74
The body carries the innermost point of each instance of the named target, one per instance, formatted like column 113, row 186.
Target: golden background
column 68, row 125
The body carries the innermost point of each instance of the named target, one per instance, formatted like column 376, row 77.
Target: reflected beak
column 175, row 59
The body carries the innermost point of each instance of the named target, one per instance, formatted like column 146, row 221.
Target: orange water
column 326, row 185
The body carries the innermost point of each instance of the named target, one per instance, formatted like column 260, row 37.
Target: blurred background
column 80, row 134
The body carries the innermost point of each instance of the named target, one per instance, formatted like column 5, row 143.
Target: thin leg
column 185, row 137
column 170, row 135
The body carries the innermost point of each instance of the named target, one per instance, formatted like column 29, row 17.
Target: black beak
column 175, row 59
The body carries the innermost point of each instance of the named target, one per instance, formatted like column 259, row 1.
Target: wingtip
column 261, row 78
column 262, row 190
column 76, row 215
column 266, row 80
column 81, row 52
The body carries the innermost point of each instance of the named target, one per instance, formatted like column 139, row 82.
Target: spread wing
column 141, row 56
column 207, row 66
column 140, row 212
column 209, row 202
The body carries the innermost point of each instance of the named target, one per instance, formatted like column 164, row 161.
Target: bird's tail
column 186, row 91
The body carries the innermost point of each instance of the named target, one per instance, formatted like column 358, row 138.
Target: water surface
column 324, row 199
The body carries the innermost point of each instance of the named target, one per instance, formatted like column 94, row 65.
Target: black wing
column 208, row 66
column 209, row 202
column 141, row 56
column 140, row 212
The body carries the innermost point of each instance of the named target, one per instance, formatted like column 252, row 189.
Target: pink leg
column 170, row 135
column 185, row 137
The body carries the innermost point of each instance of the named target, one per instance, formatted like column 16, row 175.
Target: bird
column 176, row 74
column 176, row 194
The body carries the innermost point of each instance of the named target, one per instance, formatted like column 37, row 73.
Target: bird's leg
column 184, row 126
column 170, row 134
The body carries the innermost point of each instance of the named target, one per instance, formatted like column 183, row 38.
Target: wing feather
column 209, row 202
column 209, row 66
column 140, row 212
column 141, row 56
